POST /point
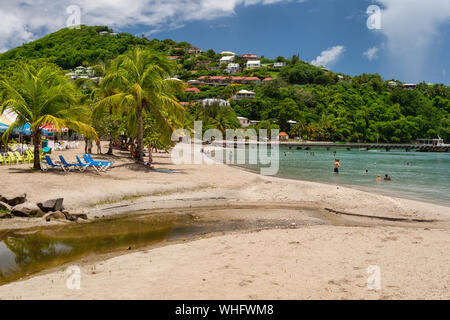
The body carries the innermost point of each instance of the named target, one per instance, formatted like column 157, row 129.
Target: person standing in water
column 337, row 164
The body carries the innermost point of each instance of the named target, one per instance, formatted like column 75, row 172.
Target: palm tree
column 39, row 96
column 141, row 76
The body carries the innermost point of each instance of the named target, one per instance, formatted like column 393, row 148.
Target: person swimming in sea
column 337, row 164
column 378, row 178
column 387, row 178
column 367, row 171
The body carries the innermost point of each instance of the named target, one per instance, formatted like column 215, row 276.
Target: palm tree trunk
column 140, row 142
column 37, row 146
column 110, row 150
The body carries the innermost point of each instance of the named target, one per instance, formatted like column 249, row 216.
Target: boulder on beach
column 4, row 206
column 14, row 201
column 21, row 212
column 27, row 209
column 69, row 216
column 80, row 215
column 58, row 215
column 51, row 205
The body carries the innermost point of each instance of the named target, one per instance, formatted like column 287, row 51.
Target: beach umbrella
column 51, row 128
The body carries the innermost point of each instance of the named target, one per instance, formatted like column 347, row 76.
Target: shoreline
column 356, row 187
column 123, row 195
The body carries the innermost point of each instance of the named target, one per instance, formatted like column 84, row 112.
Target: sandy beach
column 311, row 253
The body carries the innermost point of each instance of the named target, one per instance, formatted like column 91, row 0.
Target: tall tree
column 39, row 96
column 142, row 79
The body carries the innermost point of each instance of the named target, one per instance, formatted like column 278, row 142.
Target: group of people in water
column 337, row 164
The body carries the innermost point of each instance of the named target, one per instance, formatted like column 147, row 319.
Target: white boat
column 435, row 145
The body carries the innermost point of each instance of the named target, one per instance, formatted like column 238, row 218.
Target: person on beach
column 337, row 164
column 99, row 146
column 387, row 178
column 90, row 146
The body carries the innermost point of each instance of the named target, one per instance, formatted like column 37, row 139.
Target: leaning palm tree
column 142, row 77
column 39, row 96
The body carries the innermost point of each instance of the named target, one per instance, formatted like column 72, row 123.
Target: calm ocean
column 427, row 177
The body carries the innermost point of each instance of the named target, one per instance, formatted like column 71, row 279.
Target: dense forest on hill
column 325, row 105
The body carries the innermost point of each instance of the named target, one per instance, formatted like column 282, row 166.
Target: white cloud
column 411, row 28
column 24, row 20
column 329, row 56
column 371, row 53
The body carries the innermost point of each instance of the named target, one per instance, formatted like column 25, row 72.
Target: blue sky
column 412, row 45
column 308, row 28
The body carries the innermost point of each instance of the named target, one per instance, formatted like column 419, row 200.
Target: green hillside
column 69, row 48
column 325, row 105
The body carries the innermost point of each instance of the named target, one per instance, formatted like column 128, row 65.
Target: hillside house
column 232, row 68
column 211, row 102
column 195, row 50
column 244, row 95
column 250, row 56
column 227, row 59
column 279, row 65
column 244, row 122
column 253, row 64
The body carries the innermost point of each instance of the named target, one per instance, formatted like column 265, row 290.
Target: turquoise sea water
column 426, row 178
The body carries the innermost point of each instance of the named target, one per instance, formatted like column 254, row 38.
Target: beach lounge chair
column 70, row 166
column 97, row 168
column 103, row 165
column 30, row 154
column 12, row 158
column 20, row 158
column 4, row 160
column 104, row 162
column 51, row 165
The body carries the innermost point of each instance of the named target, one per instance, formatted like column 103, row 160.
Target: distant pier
column 366, row 146
column 349, row 146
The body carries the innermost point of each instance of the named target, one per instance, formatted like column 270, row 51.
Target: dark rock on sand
column 17, row 200
column 69, row 216
column 54, row 215
column 27, row 209
column 21, row 212
column 80, row 215
column 51, row 205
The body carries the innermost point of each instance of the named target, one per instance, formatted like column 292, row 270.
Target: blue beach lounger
column 96, row 167
column 103, row 165
column 70, row 166
column 105, row 162
column 51, row 165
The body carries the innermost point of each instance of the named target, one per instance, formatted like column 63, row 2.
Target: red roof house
column 192, row 90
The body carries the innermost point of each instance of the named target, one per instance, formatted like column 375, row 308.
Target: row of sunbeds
column 81, row 165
